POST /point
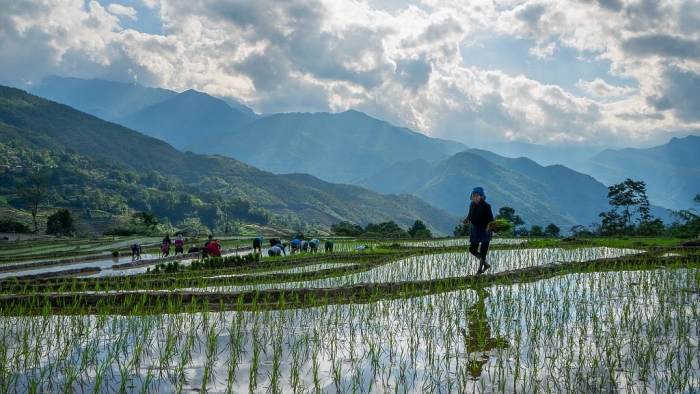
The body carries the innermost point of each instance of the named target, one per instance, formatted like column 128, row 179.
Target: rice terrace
column 562, row 315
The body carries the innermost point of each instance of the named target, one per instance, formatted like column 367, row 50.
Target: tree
column 687, row 224
column 651, row 228
column 552, row 230
column 386, row 229
column 612, row 223
column 419, row 230
column 520, row 231
column 60, row 222
column 595, row 229
column 580, row 231
column 508, row 213
column 630, row 197
column 345, row 228
column 145, row 219
column 192, row 225
column 461, row 230
column 536, row 231
column 34, row 193
column 577, row 229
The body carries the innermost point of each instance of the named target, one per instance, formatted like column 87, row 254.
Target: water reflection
column 442, row 265
column 478, row 339
column 626, row 331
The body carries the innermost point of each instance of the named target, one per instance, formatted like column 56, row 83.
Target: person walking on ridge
column 480, row 215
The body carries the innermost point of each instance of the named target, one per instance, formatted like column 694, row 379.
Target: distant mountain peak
column 105, row 99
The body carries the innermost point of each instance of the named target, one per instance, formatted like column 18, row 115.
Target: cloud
column 59, row 38
column 679, row 95
column 600, row 88
column 543, row 52
column 662, row 45
column 612, row 5
column 541, row 71
column 413, row 73
column 121, row 10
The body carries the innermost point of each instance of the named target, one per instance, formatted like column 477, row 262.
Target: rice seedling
column 571, row 330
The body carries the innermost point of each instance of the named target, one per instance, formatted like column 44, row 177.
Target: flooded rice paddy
column 443, row 265
column 617, row 331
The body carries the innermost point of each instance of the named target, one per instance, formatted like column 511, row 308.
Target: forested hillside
column 146, row 173
column 541, row 195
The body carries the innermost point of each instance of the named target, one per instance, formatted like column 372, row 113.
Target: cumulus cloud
column 543, row 52
column 600, row 88
column 662, row 45
column 679, row 95
column 399, row 61
column 121, row 10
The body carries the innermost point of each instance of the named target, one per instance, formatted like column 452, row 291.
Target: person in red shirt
column 213, row 248
column 179, row 244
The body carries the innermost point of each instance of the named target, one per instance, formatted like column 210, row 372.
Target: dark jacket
column 480, row 215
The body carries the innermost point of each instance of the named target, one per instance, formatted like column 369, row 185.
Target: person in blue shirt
column 479, row 216
column 275, row 250
column 313, row 245
column 257, row 244
column 295, row 245
column 278, row 249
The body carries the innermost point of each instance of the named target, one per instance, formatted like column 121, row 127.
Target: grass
column 615, row 242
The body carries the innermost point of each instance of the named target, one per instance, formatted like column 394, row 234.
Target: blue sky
column 609, row 73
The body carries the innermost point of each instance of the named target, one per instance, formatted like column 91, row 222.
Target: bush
column 123, row 231
column 12, row 226
column 61, row 221
column 127, row 231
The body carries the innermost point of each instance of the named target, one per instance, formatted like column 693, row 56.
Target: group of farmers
column 296, row 245
column 480, row 218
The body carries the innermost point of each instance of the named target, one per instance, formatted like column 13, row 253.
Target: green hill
column 136, row 164
column 540, row 195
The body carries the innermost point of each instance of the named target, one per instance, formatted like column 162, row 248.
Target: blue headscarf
column 480, row 191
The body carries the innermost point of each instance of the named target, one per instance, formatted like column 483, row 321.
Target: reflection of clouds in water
column 449, row 242
column 602, row 322
column 293, row 270
column 444, row 265
column 114, row 266
column 573, row 330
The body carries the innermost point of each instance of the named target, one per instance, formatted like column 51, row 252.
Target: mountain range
column 340, row 148
column 32, row 122
column 351, row 147
column 670, row 171
column 540, row 195
column 174, row 119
